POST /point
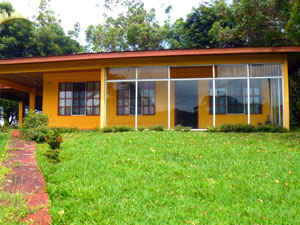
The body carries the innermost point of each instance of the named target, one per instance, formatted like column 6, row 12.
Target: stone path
column 26, row 178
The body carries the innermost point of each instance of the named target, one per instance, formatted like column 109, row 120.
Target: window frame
column 140, row 95
column 85, row 108
column 226, row 101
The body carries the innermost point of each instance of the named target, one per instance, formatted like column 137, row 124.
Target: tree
column 137, row 29
column 20, row 38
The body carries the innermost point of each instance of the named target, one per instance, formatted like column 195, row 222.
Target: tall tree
column 137, row 29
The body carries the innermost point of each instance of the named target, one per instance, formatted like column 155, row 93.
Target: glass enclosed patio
column 197, row 96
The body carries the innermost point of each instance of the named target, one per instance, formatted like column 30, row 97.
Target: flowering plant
column 54, row 139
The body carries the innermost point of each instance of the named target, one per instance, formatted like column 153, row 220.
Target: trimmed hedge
column 247, row 128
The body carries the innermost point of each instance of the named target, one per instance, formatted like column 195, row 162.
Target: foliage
column 9, row 111
column 271, row 129
column 54, row 139
column 4, row 137
column 35, row 127
column 63, row 130
column 122, row 129
column 187, row 129
column 4, row 129
column 156, row 128
column 141, row 128
column 42, row 37
column 178, row 127
column 34, row 120
column 247, row 128
column 12, row 208
column 107, row 129
column 162, row 176
column 137, row 29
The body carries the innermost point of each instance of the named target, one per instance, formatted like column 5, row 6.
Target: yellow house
column 196, row 88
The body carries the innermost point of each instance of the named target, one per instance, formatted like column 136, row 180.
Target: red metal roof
column 157, row 53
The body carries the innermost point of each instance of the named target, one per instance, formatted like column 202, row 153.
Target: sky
column 88, row 12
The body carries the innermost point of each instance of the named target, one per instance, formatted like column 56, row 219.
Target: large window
column 231, row 97
column 126, row 98
column 79, row 98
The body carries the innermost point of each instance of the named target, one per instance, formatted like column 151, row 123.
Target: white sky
column 86, row 12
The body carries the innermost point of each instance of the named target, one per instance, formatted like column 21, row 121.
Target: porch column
column 21, row 114
column 32, row 99
column 102, row 103
column 285, row 94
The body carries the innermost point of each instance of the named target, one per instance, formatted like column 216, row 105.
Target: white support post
column 214, row 96
column 169, row 99
column 248, row 92
column 136, row 98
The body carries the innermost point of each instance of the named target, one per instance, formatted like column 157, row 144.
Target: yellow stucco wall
column 50, row 99
column 53, row 77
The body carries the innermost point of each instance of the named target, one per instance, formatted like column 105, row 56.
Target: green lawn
column 175, row 178
column 4, row 137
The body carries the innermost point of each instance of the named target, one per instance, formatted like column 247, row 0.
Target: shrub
column 53, row 155
column 35, row 127
column 34, row 120
column 63, row 130
column 156, row 128
column 178, row 127
column 4, row 129
column 53, row 138
column 141, row 128
column 271, row 129
column 36, row 134
column 212, row 129
column 122, row 129
column 226, row 128
column 187, row 129
column 96, row 129
column 107, row 130
column 244, row 128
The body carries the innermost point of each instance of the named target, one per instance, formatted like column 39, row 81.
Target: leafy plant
column 187, row 129
column 54, row 139
column 141, row 128
column 178, row 127
column 63, row 130
column 107, row 129
column 35, row 127
column 122, row 129
column 4, row 129
column 156, row 128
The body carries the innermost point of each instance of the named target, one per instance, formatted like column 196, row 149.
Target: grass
column 174, row 178
column 4, row 137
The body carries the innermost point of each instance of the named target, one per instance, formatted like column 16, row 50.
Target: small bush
column 63, row 130
column 4, row 129
column 53, row 155
column 187, row 129
column 107, row 130
column 37, row 134
column 178, row 127
column 141, row 128
column 122, row 129
column 271, row 129
column 156, row 128
column 97, row 129
column 35, row 127
column 244, row 128
column 226, row 128
column 34, row 120
column 53, row 138
column 247, row 128
column 212, row 129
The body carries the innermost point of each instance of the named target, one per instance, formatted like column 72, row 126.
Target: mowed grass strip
column 175, row 178
column 4, row 137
